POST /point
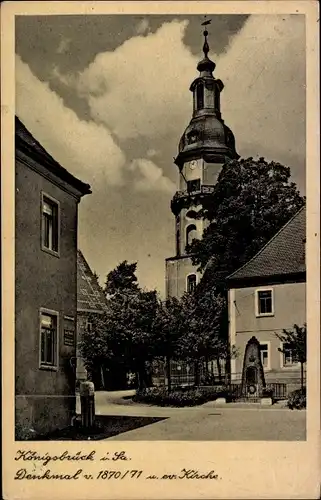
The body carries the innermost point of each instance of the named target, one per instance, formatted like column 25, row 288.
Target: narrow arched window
column 217, row 101
column 191, row 234
column 200, row 96
column 177, row 235
column 191, row 283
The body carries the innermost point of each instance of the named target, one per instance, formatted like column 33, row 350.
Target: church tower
column 205, row 146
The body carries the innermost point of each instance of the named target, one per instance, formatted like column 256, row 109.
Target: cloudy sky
column 108, row 97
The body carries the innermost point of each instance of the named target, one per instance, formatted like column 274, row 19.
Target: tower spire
column 206, row 48
column 206, row 66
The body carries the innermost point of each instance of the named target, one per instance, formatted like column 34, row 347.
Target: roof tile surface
column 90, row 296
column 283, row 254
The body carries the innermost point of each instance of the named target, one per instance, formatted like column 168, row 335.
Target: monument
column 253, row 381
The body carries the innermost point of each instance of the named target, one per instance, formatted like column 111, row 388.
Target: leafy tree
column 123, row 335
column 96, row 346
column 167, row 331
column 96, row 277
column 202, row 325
column 122, row 278
column 251, row 201
column 296, row 341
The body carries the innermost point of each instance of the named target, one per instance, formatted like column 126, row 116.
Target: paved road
column 237, row 422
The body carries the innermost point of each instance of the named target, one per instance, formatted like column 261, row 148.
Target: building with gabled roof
column 90, row 296
column 282, row 257
column 47, row 197
column 267, row 295
column 91, row 300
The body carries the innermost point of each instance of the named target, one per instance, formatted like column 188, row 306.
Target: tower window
column 177, row 234
column 191, row 234
column 200, row 96
column 194, row 185
column 217, row 101
column 191, row 283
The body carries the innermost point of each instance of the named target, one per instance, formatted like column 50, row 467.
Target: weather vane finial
column 206, row 48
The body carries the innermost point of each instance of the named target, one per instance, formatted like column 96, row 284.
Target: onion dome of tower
column 206, row 134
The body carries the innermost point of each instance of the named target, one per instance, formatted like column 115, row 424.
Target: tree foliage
column 296, row 341
column 122, row 278
column 189, row 329
column 168, row 327
column 137, row 328
column 167, row 331
column 201, row 325
column 251, row 201
column 124, row 333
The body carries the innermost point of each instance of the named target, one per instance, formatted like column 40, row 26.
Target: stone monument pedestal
column 253, row 381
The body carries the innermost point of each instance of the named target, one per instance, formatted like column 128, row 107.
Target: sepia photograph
column 160, row 227
column 160, row 168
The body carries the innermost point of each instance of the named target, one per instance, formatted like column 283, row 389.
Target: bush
column 297, row 399
column 178, row 398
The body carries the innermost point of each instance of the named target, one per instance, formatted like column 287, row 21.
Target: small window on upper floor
column 264, row 302
column 191, row 283
column 200, row 96
column 50, row 224
column 194, row 185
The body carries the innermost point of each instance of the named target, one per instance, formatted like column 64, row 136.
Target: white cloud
column 151, row 153
column 150, row 177
column 264, row 76
column 141, row 88
column 66, row 79
column 143, row 26
column 84, row 148
column 63, row 45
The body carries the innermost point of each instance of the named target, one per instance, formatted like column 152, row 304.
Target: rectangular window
column 200, row 96
column 265, row 355
column 194, row 185
column 289, row 357
column 48, row 339
column 264, row 303
column 50, row 224
column 191, row 283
